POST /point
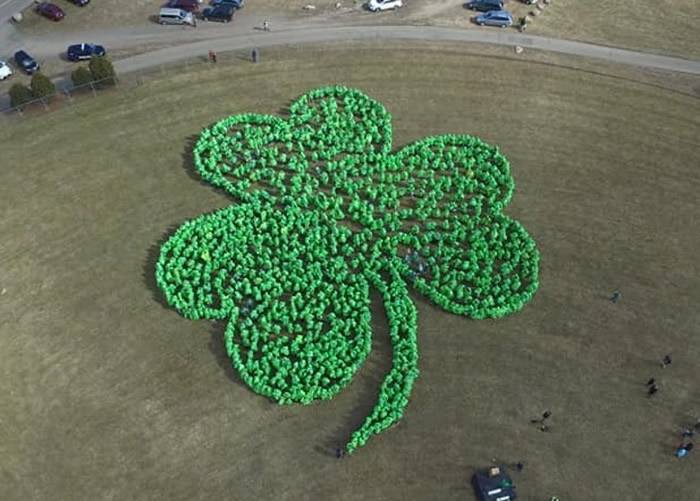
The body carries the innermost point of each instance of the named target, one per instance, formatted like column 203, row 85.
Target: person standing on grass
column 652, row 389
column 266, row 25
column 683, row 450
column 666, row 361
column 615, row 296
column 523, row 23
column 545, row 416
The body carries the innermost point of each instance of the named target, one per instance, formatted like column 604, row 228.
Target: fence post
column 43, row 101
column 94, row 92
column 68, row 95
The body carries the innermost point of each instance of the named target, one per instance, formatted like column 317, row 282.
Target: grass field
column 109, row 395
column 660, row 26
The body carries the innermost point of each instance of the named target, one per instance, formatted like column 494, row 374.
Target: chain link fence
column 67, row 93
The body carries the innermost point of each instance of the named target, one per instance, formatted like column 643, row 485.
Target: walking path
column 184, row 43
column 310, row 35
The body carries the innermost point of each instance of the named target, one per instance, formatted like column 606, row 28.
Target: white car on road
column 375, row 5
column 5, row 70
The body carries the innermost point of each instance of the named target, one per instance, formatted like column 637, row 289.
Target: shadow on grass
column 188, row 160
column 149, row 267
column 368, row 380
column 218, row 349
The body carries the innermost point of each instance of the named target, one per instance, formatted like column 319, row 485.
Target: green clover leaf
column 325, row 212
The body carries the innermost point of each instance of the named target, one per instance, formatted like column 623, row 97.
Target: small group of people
column 247, row 306
column 687, row 444
column 652, row 387
column 542, row 421
column 418, row 265
column 687, row 433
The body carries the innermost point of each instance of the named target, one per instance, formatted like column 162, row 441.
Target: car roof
column 21, row 53
column 168, row 10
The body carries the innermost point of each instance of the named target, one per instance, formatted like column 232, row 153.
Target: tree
column 102, row 70
column 41, row 85
column 19, row 95
column 81, row 76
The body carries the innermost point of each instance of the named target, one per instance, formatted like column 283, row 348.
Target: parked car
column 223, row 13
column 81, row 51
column 26, row 62
column 485, row 5
column 80, row 3
column 237, row 4
column 50, row 10
column 186, row 5
column 501, row 18
column 529, row 2
column 5, row 70
column 175, row 16
column 379, row 5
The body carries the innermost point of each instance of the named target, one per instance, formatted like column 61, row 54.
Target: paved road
column 10, row 7
column 310, row 35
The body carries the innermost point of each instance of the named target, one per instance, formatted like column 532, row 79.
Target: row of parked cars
column 185, row 11
column 76, row 52
column 54, row 12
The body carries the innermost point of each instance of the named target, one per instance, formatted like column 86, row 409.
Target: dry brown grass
column 109, row 395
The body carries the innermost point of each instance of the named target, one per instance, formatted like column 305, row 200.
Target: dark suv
column 26, row 62
column 187, row 5
column 237, row 4
column 485, row 5
column 223, row 13
column 82, row 51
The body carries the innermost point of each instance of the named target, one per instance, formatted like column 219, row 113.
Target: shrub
column 102, row 70
column 81, row 76
column 41, row 85
column 20, row 94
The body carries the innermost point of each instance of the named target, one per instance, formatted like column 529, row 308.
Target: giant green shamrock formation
column 325, row 212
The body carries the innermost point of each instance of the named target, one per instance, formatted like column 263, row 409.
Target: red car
column 51, row 11
column 188, row 5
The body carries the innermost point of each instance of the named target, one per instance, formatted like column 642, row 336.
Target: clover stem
column 396, row 387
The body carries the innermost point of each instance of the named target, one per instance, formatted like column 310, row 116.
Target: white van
column 175, row 16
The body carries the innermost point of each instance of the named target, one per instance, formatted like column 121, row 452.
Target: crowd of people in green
column 324, row 212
